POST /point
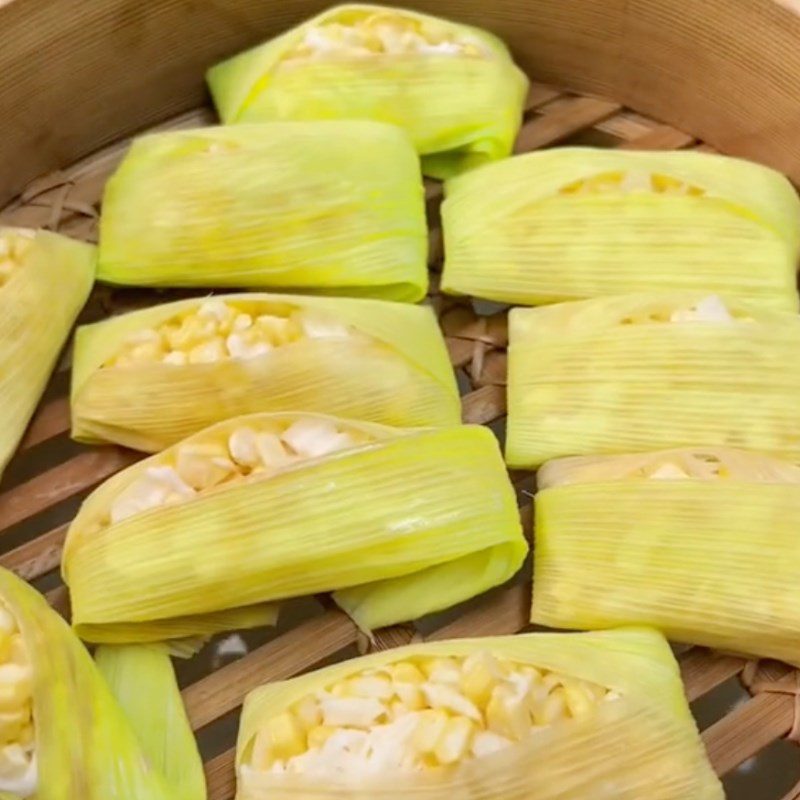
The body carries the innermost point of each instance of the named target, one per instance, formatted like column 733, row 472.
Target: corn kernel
column 319, row 735
column 454, row 743
column 15, row 686
column 485, row 743
column 430, row 729
column 448, row 698
column 507, row 713
column 208, row 352
column 477, row 683
column 410, row 695
column 406, row 672
column 286, row 736
column 446, row 670
column 553, row 709
column 308, row 713
column 372, row 686
column 13, row 723
column 202, row 465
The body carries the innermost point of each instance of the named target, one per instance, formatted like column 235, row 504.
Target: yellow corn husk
column 399, row 522
column 454, row 89
column 575, row 223
column 643, row 372
column 187, row 634
column 699, row 542
column 598, row 715
column 44, row 282
column 83, row 746
column 336, row 208
column 143, row 681
column 372, row 360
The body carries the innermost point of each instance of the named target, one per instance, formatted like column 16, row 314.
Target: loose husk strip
column 643, row 743
column 372, row 360
column 85, row 747
column 400, row 523
column 45, row 279
column 575, row 223
column 336, row 208
column 142, row 679
column 699, row 542
column 394, row 65
column 648, row 371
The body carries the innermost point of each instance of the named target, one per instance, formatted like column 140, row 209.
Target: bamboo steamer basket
column 77, row 79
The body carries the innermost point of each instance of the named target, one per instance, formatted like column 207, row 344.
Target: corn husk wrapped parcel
column 397, row 522
column 334, row 208
column 699, row 542
column 648, row 371
column 573, row 223
column 454, row 89
column 150, row 378
column 44, row 282
column 598, row 716
column 63, row 735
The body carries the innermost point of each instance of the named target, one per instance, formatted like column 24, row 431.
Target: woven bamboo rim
column 44, row 485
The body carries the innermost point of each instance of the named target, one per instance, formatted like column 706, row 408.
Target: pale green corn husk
column 643, row 744
column 38, row 305
column 511, row 236
column 143, row 681
column 400, row 376
column 187, row 634
column 85, row 747
column 707, row 550
column 336, row 208
column 378, row 522
column 460, row 111
column 598, row 377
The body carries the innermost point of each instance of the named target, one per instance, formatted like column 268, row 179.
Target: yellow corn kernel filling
column 18, row 773
column 713, row 465
column 708, row 464
column 631, row 182
column 381, row 33
column 197, row 467
column 14, row 244
column 219, row 330
column 708, row 309
column 419, row 714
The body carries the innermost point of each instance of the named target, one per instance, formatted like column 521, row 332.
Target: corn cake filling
column 419, row 714
column 717, row 464
column 18, row 773
column 14, row 244
column 385, row 32
column 709, row 309
column 219, row 330
column 631, row 182
column 706, row 464
column 200, row 466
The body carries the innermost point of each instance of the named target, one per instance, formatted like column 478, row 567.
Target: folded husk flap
column 381, row 522
column 701, row 543
column 649, row 371
column 643, row 744
column 85, row 747
column 575, row 223
column 396, row 371
column 460, row 109
column 39, row 302
column 142, row 679
column 336, row 208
